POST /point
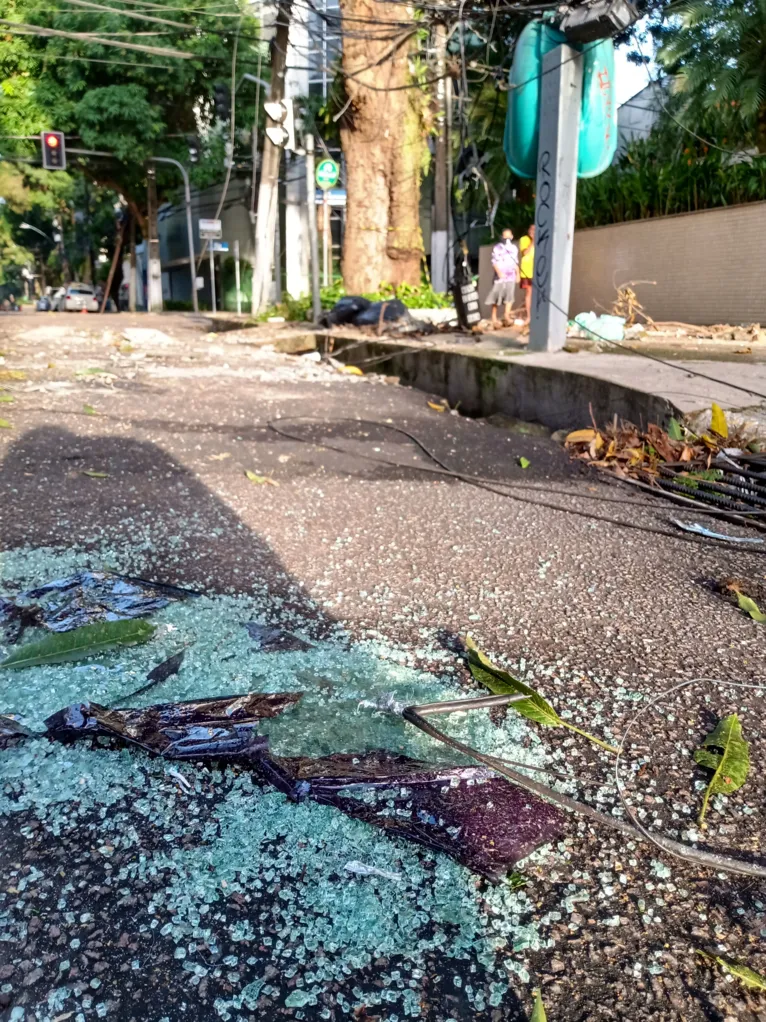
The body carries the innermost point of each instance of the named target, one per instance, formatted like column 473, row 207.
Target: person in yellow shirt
column 527, row 268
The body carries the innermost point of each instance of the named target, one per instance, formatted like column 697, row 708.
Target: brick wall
column 710, row 267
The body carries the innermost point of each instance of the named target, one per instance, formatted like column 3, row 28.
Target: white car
column 78, row 297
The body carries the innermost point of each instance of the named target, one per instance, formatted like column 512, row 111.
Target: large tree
column 384, row 138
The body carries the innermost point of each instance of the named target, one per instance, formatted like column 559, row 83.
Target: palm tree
column 717, row 51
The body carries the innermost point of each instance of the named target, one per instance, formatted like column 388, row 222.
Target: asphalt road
column 583, row 583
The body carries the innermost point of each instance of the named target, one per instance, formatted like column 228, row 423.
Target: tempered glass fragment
column 275, row 640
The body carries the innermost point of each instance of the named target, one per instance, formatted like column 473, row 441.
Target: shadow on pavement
column 164, row 524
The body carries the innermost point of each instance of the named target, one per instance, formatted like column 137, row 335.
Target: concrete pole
column 212, row 277
column 133, row 278
column 326, row 242
column 267, row 191
column 311, row 190
column 440, row 211
column 555, row 197
column 154, row 267
column 295, row 243
column 236, row 276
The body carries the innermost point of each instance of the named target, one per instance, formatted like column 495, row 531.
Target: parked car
column 57, row 298
column 43, row 304
column 79, row 297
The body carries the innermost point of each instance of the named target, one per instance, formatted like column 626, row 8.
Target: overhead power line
column 20, row 28
column 129, row 14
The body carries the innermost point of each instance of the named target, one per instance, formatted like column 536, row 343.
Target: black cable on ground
column 491, row 486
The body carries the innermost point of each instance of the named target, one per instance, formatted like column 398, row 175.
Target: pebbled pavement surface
column 568, row 574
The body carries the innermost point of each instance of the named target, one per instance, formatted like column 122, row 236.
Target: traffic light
column 222, row 101
column 54, row 150
column 193, row 143
column 283, row 114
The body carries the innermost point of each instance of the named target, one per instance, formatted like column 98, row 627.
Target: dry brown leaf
column 581, row 436
column 686, row 454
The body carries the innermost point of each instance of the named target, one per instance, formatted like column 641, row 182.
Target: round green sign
column 327, row 174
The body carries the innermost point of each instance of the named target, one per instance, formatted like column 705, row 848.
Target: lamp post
column 31, row 227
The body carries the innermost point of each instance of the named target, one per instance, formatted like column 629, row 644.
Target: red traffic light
column 54, row 150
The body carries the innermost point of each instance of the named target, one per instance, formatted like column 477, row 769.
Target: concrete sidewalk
column 560, row 388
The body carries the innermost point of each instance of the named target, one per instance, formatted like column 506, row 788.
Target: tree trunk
column 384, row 147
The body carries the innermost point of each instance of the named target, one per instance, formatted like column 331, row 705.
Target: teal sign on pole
column 327, row 174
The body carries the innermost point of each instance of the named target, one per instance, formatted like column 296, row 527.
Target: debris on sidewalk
column 224, row 728
column 78, row 644
column 597, row 328
column 275, row 640
column 11, row 731
column 389, row 316
column 363, row 870
column 727, row 754
column 481, row 820
column 85, row 598
column 715, row 467
column 701, row 530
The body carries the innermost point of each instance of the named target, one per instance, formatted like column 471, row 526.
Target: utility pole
column 555, row 193
column 132, row 281
column 154, row 269
column 311, row 190
column 441, row 213
column 268, row 190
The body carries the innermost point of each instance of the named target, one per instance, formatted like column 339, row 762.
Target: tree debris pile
column 714, row 466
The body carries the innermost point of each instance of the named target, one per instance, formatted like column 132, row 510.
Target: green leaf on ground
column 727, row 754
column 89, row 410
column 750, row 607
column 718, row 421
column 7, row 399
column 748, row 977
column 4, row 424
column 79, row 643
column 500, row 682
column 524, row 462
column 260, row 480
column 538, row 1011
column 92, row 474
column 674, row 429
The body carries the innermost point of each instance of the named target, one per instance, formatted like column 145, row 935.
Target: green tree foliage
column 717, row 51
column 129, row 103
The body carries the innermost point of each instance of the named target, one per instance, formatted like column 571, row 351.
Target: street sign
column 209, row 229
column 220, row 246
column 327, row 174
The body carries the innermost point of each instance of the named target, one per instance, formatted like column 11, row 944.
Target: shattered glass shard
column 14, row 619
column 275, row 640
column 222, row 728
column 11, row 731
column 160, row 673
column 91, row 596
